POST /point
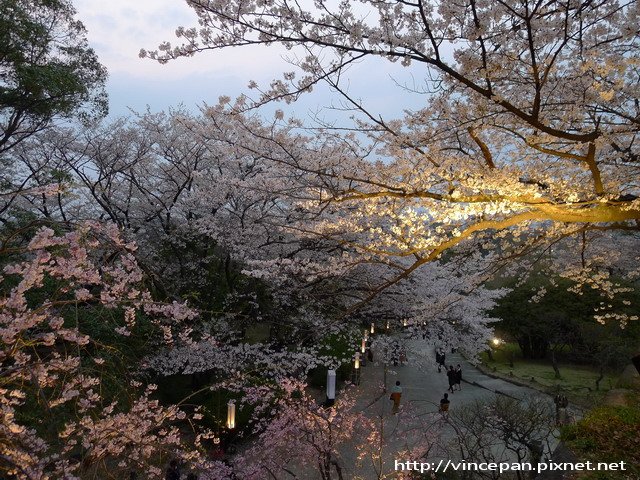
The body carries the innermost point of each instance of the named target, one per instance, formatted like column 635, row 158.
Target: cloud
column 118, row 29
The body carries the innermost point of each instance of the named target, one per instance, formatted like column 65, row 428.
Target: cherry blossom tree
column 302, row 438
column 60, row 418
column 528, row 133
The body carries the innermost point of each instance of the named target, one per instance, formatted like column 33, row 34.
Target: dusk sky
column 118, row 29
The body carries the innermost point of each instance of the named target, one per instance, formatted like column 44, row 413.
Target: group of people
column 454, row 375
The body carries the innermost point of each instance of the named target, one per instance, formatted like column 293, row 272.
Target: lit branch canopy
column 530, row 122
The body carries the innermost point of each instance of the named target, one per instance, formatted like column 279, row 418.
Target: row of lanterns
column 331, row 374
column 363, row 344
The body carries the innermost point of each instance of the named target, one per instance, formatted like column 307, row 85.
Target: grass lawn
column 577, row 381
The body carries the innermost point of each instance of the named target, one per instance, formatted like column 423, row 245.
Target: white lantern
column 363, row 346
column 405, row 322
column 388, row 324
column 356, row 364
column 231, row 415
column 373, row 327
column 331, row 385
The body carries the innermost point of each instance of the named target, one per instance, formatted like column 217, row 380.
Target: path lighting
column 405, row 322
column 231, row 415
column 363, row 345
column 366, row 333
column 388, row 324
column 356, row 364
column 373, row 327
column 331, row 387
column 496, row 341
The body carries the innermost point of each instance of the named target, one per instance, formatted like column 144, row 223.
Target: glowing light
column 356, row 364
column 496, row 341
column 373, row 327
column 363, row 346
column 231, row 414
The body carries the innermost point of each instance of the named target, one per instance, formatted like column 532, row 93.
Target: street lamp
column 496, row 342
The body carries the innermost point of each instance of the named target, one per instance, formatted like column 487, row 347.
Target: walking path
column 419, row 425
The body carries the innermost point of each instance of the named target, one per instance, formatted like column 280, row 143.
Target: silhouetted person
column 441, row 364
column 451, row 376
column 458, row 377
column 444, row 404
column 561, row 409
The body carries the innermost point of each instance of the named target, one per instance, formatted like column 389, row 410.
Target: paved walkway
column 418, row 425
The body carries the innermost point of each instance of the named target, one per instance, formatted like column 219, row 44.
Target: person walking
column 442, row 360
column 395, row 353
column 561, row 409
column 444, row 405
column 458, row 377
column 396, row 395
column 451, row 377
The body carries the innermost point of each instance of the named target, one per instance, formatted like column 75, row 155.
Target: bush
column 608, row 434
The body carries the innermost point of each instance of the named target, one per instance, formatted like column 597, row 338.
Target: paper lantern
column 231, row 415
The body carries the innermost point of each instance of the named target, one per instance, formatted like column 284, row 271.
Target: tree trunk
column 599, row 379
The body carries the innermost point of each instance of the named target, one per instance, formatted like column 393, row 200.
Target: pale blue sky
column 118, row 29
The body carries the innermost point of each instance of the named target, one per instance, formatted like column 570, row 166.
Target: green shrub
column 608, row 434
